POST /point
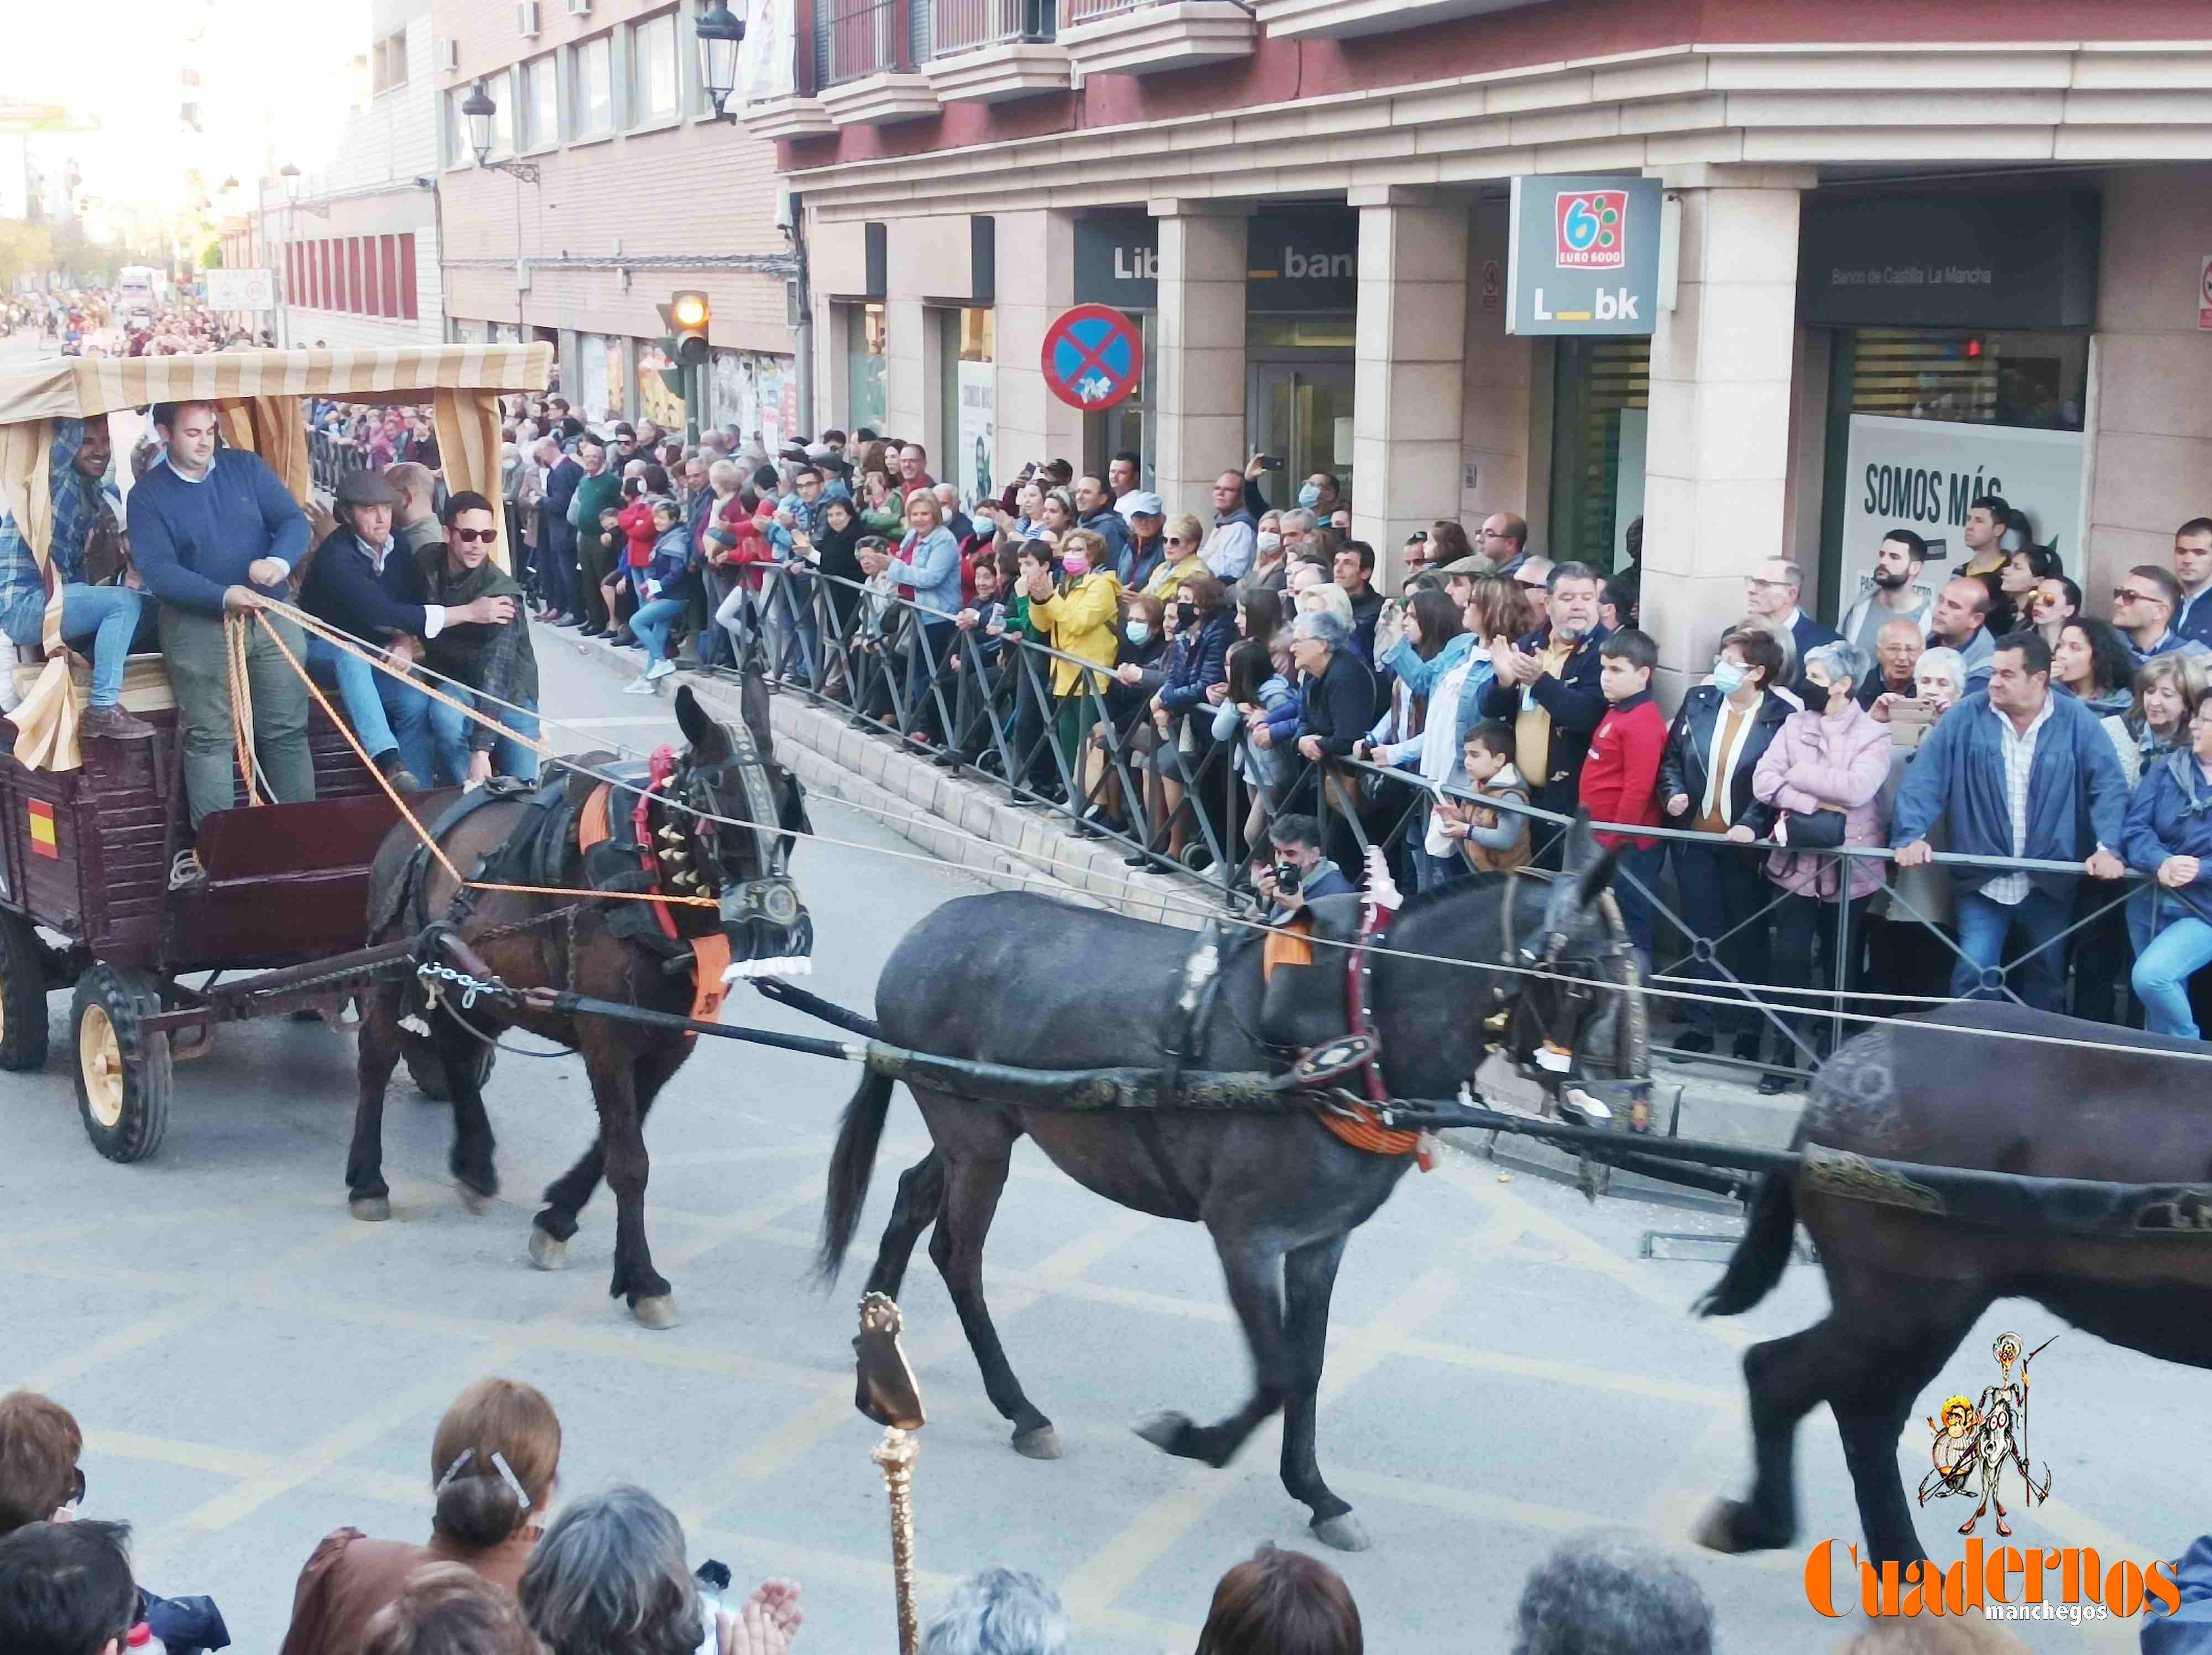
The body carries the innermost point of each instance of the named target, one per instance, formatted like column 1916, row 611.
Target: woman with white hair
column 998, row 1612
column 609, row 1578
column 1823, row 773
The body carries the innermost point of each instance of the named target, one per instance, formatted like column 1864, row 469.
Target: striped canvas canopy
column 258, row 394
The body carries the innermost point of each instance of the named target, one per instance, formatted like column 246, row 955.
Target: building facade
column 1912, row 254
column 631, row 190
column 357, row 254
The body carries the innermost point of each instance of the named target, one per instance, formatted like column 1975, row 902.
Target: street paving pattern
column 254, row 1368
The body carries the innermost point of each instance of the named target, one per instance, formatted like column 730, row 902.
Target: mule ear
column 1596, row 877
column 753, row 703
column 691, row 718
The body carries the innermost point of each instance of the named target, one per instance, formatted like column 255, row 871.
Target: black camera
column 1289, row 876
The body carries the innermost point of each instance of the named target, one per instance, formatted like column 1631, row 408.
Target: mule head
column 731, row 843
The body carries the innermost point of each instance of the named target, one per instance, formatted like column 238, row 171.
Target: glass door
column 1301, row 413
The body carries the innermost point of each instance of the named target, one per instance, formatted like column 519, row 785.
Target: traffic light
column 686, row 315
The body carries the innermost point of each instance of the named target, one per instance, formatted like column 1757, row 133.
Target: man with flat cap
column 361, row 582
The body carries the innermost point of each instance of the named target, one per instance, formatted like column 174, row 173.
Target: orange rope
column 1363, row 1132
column 421, row 833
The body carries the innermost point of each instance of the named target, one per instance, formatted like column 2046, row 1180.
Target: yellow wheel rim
column 100, row 1058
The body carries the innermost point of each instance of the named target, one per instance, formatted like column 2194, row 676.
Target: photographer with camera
column 1297, row 872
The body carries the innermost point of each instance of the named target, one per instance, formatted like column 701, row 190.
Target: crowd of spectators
column 512, row 1565
column 1118, row 650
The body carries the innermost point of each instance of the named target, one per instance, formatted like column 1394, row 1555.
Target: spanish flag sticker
column 44, row 841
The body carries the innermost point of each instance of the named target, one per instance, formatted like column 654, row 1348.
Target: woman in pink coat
column 1820, row 766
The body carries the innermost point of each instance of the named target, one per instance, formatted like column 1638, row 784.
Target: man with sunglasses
column 492, row 658
column 2144, row 608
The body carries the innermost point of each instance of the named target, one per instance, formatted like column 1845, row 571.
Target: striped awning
column 64, row 387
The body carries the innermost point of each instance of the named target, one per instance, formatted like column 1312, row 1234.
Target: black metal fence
column 331, row 458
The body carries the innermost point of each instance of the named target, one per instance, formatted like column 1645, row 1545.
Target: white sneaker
column 641, row 686
column 660, row 669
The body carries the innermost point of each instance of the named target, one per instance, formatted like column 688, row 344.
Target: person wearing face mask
column 1721, row 731
column 1140, row 661
column 1270, row 568
column 1082, row 620
column 1196, row 668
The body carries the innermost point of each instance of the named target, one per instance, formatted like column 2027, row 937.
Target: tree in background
column 25, row 249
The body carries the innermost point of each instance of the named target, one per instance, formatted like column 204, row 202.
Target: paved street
column 254, row 1368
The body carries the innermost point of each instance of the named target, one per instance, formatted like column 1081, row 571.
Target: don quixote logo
column 1977, row 1446
column 1592, row 229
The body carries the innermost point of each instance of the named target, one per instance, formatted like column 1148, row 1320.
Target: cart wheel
column 23, row 988
column 430, row 1074
column 123, row 1078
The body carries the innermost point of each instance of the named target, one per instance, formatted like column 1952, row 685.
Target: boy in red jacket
column 1620, row 777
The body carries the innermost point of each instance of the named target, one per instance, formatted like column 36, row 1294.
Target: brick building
column 639, row 190
column 1911, row 247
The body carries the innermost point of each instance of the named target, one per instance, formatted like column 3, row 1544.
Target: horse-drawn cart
column 89, row 828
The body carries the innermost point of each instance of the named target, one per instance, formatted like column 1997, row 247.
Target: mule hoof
column 370, row 1209
column 545, row 1252
column 660, row 1314
column 476, row 1201
column 1721, row 1528
column 1162, row 1428
column 1346, row 1532
column 1041, row 1444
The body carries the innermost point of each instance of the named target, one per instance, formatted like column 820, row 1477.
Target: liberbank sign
column 1583, row 255
column 1304, row 263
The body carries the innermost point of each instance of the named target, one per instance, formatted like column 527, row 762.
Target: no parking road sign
column 1094, row 357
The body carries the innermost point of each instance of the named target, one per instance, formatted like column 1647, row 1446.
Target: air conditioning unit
column 449, row 54
column 525, row 18
column 580, row 7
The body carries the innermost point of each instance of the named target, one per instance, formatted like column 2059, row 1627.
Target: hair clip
column 498, row 1464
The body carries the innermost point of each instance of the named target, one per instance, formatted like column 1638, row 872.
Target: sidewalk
column 973, row 825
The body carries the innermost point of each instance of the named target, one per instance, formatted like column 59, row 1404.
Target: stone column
column 1498, row 391
column 1717, row 460
column 1410, row 362
column 1200, row 337
column 1036, row 265
column 906, row 351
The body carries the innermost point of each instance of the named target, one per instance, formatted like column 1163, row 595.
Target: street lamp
column 290, row 175
column 477, row 110
column 721, row 32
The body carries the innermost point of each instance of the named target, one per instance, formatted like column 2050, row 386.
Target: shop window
column 970, row 412
column 2036, row 381
column 868, row 403
column 1601, row 411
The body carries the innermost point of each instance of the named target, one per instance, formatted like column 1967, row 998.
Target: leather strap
column 710, row 958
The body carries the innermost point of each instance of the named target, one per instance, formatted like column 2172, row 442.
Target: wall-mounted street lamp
column 720, row 33
column 477, row 110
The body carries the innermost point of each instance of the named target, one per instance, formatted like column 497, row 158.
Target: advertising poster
column 767, row 65
column 611, row 349
column 1921, row 474
column 655, row 401
column 590, row 395
column 977, row 455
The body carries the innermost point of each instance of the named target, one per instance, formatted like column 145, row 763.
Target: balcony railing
column 959, row 26
column 861, row 40
column 1072, row 12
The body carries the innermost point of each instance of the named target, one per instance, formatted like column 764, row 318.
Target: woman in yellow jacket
column 1082, row 619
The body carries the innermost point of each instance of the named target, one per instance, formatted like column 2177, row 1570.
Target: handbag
column 1817, row 829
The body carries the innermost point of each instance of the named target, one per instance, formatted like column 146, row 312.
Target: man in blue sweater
column 213, row 532
column 2016, row 771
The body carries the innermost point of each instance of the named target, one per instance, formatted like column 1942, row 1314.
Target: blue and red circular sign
column 1094, row 357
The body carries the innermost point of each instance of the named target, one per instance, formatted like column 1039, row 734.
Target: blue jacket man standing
column 556, row 555
column 2016, row 771
column 213, row 532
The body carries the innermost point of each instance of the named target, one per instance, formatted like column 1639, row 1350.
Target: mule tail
column 852, row 1168
column 1763, row 1254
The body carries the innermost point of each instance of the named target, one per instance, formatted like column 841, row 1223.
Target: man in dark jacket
column 491, row 657
column 1771, row 592
column 2016, row 771
column 1546, row 687
column 556, row 553
column 1094, row 510
column 600, row 489
column 362, row 582
column 212, row 531
column 1339, row 689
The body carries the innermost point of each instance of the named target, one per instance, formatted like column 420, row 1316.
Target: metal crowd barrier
column 331, row 458
column 901, row 668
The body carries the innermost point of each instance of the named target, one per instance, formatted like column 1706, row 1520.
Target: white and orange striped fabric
column 257, row 394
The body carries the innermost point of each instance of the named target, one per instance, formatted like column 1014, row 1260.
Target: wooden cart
column 88, row 829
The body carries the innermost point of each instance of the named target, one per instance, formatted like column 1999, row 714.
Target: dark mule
column 1021, row 980
column 1905, row 1286
column 590, row 948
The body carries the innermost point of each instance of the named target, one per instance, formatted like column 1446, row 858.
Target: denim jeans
column 1984, row 928
column 449, row 732
column 385, row 712
column 2162, row 973
column 651, row 622
column 107, row 615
